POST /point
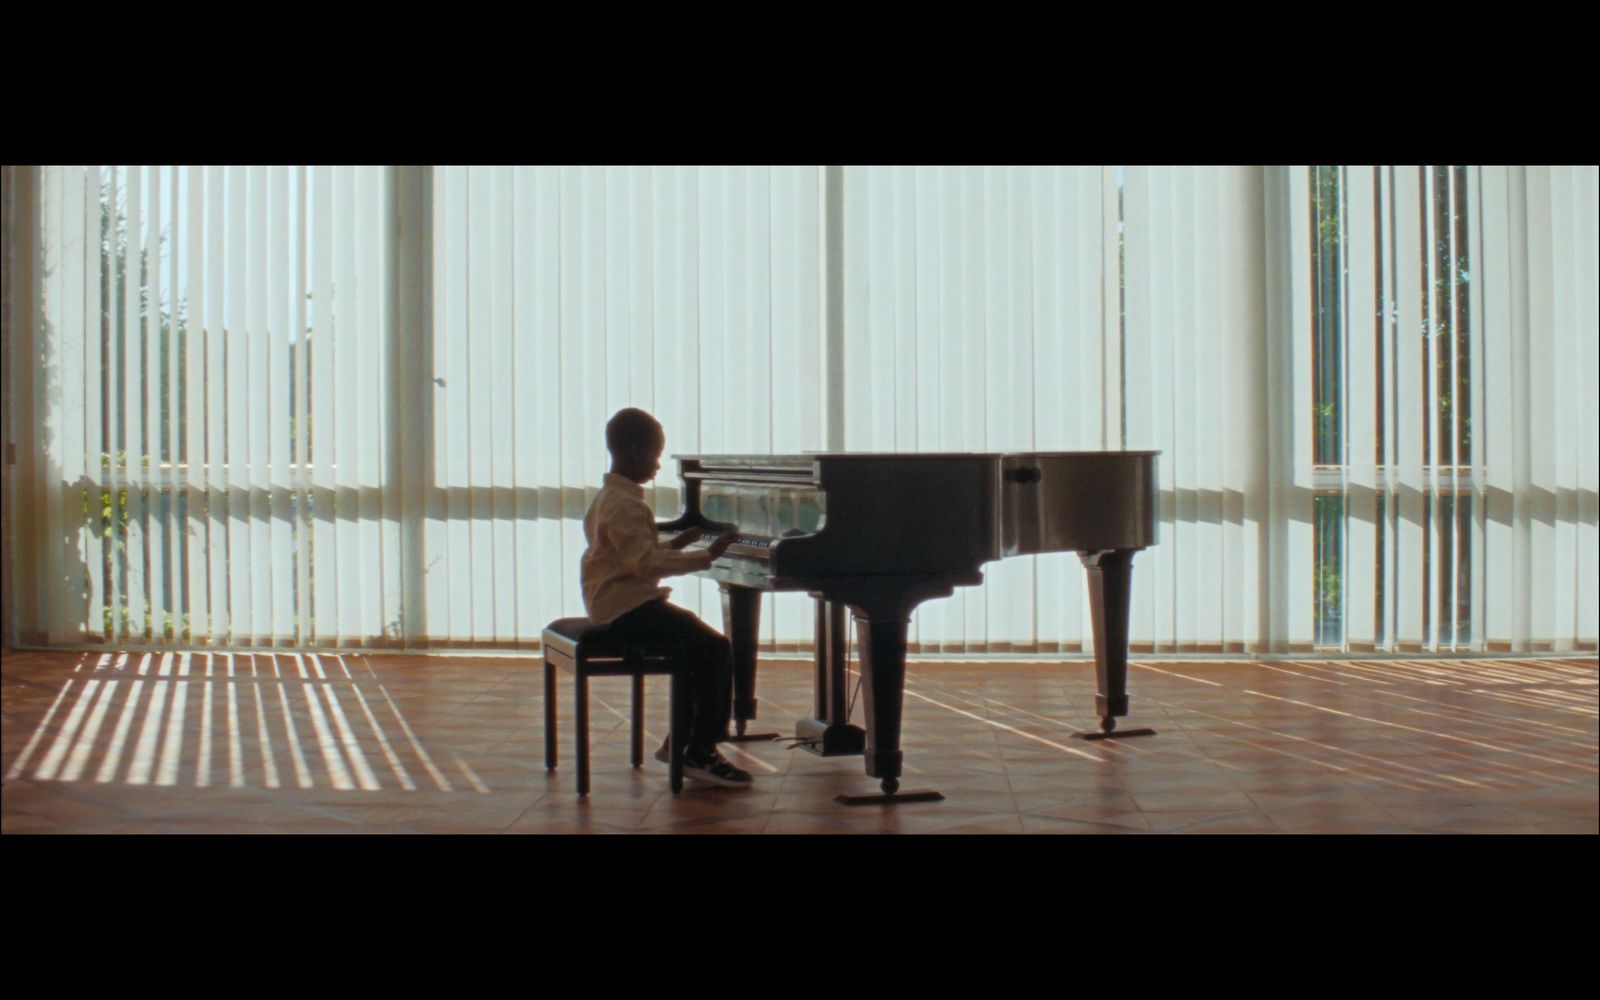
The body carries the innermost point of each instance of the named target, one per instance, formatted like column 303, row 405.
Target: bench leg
column 549, row 715
column 678, row 713
column 580, row 686
column 638, row 720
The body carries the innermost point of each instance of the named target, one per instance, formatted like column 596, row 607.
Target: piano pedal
column 838, row 740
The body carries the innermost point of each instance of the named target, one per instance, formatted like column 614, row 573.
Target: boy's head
column 635, row 440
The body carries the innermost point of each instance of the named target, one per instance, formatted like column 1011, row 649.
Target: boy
column 622, row 571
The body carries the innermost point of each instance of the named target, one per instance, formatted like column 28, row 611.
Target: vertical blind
column 975, row 320
column 208, row 344
column 1457, row 438
column 1194, row 388
column 310, row 406
column 563, row 295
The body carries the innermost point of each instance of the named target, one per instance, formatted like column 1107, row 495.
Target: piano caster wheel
column 890, row 785
column 1107, row 723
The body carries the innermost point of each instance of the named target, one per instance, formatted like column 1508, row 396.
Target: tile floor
column 350, row 743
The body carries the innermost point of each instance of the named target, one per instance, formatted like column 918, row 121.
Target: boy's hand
column 685, row 539
column 720, row 544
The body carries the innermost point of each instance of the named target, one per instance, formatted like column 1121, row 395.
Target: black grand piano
column 881, row 533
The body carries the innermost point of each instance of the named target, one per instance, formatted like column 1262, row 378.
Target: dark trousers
column 710, row 669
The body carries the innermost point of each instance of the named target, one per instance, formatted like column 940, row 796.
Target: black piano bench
column 588, row 651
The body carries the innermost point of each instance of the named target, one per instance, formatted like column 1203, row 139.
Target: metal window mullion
column 1436, row 447
column 1455, row 412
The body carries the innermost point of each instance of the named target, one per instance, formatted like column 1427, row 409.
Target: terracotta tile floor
column 212, row 743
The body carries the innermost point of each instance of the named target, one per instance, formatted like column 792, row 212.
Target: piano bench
column 586, row 649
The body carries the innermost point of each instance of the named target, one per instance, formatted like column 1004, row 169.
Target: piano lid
column 927, row 512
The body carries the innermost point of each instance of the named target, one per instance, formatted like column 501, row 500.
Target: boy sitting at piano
column 622, row 571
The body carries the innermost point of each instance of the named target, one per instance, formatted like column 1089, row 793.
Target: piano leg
column 741, row 623
column 1110, row 591
column 883, row 681
column 881, row 645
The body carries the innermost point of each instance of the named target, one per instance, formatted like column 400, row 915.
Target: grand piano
column 881, row 533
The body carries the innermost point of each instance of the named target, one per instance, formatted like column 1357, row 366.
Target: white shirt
column 625, row 561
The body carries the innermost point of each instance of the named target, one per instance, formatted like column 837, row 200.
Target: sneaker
column 664, row 755
column 714, row 769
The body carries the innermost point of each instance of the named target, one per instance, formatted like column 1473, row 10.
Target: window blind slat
column 1189, row 187
column 1410, row 414
column 1297, row 507
column 155, row 494
column 1140, row 380
column 94, row 386
column 1208, row 433
column 1586, row 328
column 300, row 374
column 1565, row 401
column 55, row 488
column 111, row 475
column 321, row 421
column 365, row 440
column 501, row 412
column 480, row 346
column 258, row 443
column 1481, row 497
column 346, row 435
column 1361, row 560
column 544, row 313
column 1056, row 404
column 1538, row 484
column 132, row 459
column 277, row 345
column 195, row 408
column 177, row 500
column 219, row 621
column 577, row 432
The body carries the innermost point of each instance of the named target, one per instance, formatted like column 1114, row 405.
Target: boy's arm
column 635, row 540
